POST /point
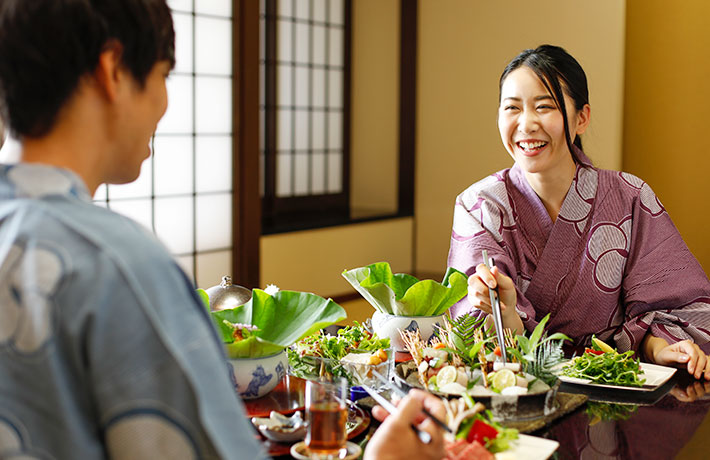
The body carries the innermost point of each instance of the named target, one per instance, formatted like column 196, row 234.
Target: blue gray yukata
column 105, row 350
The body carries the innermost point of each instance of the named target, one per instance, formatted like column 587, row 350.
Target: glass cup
column 326, row 414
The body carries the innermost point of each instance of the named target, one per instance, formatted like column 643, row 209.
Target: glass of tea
column 326, row 414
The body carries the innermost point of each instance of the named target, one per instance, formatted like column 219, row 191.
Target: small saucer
column 351, row 451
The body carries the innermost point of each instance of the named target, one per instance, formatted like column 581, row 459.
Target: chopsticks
column 401, row 393
column 392, row 409
column 495, row 305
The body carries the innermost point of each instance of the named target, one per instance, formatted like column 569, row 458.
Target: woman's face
column 531, row 126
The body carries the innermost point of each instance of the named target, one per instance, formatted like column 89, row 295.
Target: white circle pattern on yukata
column 132, row 436
column 34, row 274
column 578, row 205
column 608, row 248
column 36, row 181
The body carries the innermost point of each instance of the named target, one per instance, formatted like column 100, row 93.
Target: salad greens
column 267, row 324
column 320, row 354
column 606, row 367
column 405, row 295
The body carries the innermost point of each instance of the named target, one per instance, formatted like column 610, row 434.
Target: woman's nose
column 528, row 122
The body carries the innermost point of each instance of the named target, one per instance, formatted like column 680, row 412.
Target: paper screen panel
column 214, row 164
column 214, row 221
column 178, row 117
column 213, row 37
column 183, row 42
column 214, row 105
column 174, row 223
column 172, row 162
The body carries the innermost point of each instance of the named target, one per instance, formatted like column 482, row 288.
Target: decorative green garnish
column 274, row 322
column 405, row 295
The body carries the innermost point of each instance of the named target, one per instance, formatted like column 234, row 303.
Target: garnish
column 270, row 323
column 405, row 295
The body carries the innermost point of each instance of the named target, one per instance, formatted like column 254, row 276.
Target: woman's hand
column 395, row 439
column 680, row 354
column 478, row 285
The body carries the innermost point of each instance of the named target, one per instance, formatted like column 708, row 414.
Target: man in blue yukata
column 105, row 350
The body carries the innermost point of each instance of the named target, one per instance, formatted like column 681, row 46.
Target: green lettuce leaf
column 281, row 320
column 405, row 295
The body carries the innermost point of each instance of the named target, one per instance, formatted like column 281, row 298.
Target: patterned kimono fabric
column 612, row 264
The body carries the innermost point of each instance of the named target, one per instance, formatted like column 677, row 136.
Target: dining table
column 592, row 422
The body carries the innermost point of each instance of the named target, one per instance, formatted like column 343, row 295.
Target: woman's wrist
column 512, row 320
column 651, row 345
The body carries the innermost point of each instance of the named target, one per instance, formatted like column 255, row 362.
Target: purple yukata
column 612, row 264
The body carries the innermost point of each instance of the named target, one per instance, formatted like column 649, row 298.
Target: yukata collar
column 33, row 180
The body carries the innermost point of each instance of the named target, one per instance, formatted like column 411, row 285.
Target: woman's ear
column 583, row 118
column 108, row 72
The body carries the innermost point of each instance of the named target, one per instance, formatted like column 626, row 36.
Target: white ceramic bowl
column 254, row 377
column 389, row 326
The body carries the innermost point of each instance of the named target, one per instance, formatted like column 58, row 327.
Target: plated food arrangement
column 464, row 358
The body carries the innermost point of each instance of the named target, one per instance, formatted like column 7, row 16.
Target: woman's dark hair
column 47, row 46
column 558, row 71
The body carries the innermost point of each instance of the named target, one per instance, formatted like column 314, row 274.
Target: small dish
column 281, row 428
column 351, row 451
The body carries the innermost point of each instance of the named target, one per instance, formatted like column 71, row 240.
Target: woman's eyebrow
column 536, row 98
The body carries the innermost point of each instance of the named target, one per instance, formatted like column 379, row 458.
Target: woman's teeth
column 530, row 146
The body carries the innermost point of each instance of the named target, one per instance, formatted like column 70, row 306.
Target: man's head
column 48, row 46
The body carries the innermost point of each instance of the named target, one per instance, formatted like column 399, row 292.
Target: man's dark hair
column 47, row 46
column 558, row 71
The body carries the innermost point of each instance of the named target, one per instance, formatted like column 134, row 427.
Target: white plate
column 529, row 448
column 654, row 374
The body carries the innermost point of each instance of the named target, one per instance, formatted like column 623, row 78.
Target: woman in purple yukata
column 593, row 248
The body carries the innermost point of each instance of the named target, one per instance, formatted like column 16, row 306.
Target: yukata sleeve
column 479, row 223
column 665, row 290
column 160, row 380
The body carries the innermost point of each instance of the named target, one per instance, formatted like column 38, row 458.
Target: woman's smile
column 531, row 147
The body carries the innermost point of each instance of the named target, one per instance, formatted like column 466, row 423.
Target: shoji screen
column 184, row 192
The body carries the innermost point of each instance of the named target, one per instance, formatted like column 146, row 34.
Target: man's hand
column 395, row 439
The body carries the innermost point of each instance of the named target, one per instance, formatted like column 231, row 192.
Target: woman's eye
column 545, row 107
column 510, row 107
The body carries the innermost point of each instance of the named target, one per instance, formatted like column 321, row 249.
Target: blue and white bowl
column 389, row 326
column 255, row 377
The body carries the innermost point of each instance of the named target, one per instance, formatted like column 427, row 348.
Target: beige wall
column 375, row 106
column 313, row 260
column 666, row 122
column 463, row 47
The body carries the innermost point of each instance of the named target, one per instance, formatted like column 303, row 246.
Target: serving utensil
column 392, row 409
column 401, row 393
column 495, row 305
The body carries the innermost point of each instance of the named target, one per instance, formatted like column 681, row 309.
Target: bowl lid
column 227, row 295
